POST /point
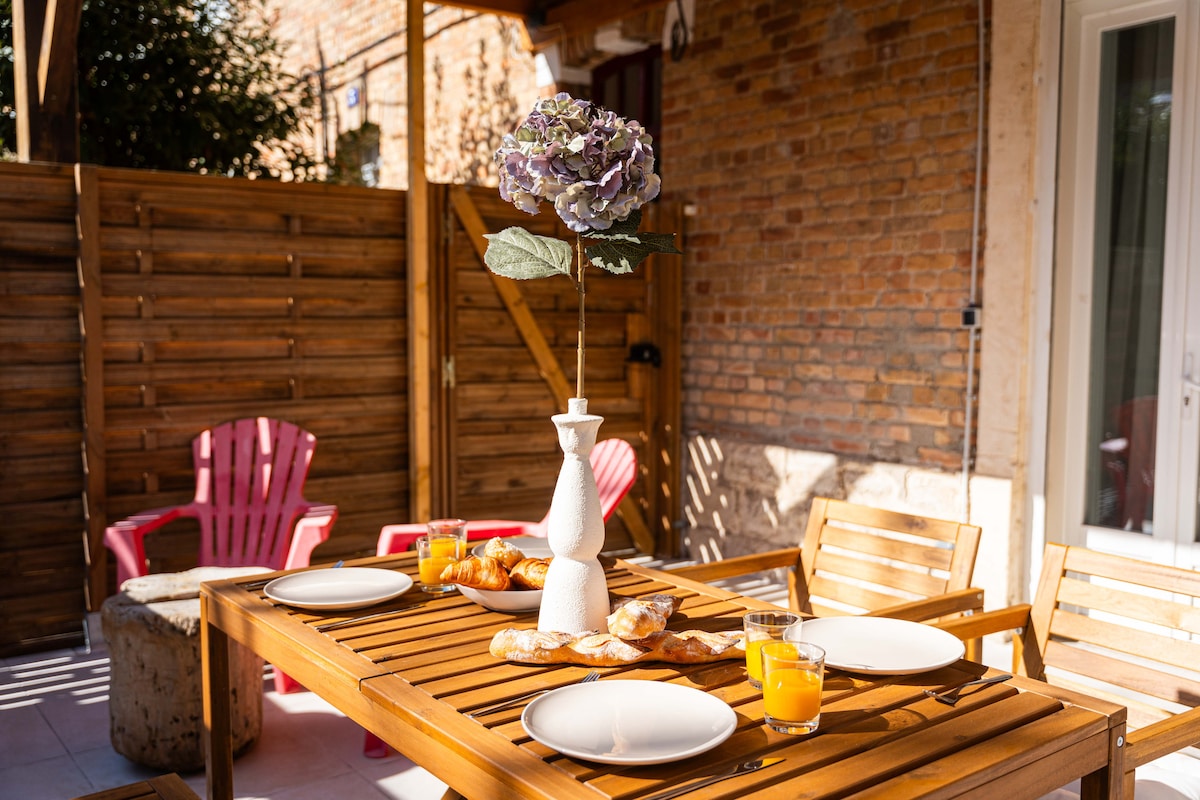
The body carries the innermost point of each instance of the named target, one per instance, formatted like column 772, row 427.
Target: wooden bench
column 166, row 787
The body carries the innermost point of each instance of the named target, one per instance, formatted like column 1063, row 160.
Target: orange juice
column 754, row 659
column 792, row 694
column 445, row 548
column 434, row 554
column 431, row 568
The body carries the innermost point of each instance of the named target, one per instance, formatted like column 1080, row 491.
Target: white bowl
column 510, row 600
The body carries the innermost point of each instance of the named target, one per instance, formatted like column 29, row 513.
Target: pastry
column 637, row 619
column 529, row 573
column 605, row 650
column 478, row 572
column 506, row 552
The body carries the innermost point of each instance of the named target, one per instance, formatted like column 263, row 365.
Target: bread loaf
column 478, row 572
column 605, row 650
column 637, row 619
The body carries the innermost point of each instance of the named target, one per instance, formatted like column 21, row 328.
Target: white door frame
column 1069, row 318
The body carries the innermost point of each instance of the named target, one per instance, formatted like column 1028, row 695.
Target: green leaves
column 621, row 248
column 621, row 254
column 517, row 253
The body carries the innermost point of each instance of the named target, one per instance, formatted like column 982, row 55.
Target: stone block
column 155, row 705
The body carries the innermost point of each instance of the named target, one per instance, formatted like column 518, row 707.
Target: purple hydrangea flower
column 594, row 167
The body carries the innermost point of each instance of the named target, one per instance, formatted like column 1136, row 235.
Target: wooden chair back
column 1117, row 628
column 856, row 559
column 250, row 476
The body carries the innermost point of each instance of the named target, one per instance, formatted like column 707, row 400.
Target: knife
column 740, row 769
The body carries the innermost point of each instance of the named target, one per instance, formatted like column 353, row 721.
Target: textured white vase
column 575, row 598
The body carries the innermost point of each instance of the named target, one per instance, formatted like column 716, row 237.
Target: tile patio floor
column 54, row 742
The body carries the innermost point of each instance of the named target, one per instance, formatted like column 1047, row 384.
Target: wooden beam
column 575, row 17
column 419, row 340
column 44, row 60
column 504, row 8
column 91, row 334
column 59, row 56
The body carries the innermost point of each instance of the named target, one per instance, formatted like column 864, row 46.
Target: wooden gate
column 508, row 355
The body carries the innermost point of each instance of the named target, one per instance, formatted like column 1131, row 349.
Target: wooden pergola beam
column 549, row 22
column 45, row 36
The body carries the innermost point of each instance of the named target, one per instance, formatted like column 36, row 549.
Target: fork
column 950, row 697
column 479, row 712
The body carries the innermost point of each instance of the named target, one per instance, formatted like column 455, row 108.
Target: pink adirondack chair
column 614, row 462
column 249, row 502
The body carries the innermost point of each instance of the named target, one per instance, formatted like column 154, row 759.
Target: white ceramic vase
column 575, row 598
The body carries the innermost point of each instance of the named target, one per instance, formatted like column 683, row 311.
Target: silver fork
column 479, row 712
column 950, row 697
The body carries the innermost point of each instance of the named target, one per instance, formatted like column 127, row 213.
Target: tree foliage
column 193, row 85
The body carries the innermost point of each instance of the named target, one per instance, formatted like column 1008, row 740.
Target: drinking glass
column 792, row 677
column 762, row 627
column 435, row 552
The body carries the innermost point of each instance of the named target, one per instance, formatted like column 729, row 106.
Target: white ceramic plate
column 881, row 646
column 511, row 600
column 629, row 722
column 531, row 546
column 344, row 587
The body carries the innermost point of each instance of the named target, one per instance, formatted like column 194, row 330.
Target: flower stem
column 579, row 264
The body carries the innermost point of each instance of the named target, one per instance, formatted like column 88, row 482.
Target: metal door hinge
column 449, row 381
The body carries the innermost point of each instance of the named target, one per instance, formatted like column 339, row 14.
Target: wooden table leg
column 218, row 714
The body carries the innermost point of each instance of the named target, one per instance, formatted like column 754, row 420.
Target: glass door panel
column 1134, row 129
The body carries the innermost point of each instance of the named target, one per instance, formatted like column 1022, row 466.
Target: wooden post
column 91, row 322
column 421, row 370
column 47, row 98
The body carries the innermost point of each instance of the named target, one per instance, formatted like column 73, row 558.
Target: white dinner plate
column 344, row 587
column 629, row 722
column 531, row 546
column 881, row 646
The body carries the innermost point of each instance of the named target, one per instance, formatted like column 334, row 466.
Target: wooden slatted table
column 411, row 675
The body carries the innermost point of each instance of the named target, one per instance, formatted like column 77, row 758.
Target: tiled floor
column 54, row 741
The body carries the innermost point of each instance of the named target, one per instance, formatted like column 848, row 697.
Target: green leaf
column 517, row 253
column 620, row 254
column 626, row 227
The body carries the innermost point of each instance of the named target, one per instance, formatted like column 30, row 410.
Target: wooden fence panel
column 42, row 569
column 506, row 456
column 206, row 299
column 223, row 299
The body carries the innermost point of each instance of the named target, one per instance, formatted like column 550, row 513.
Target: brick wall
column 828, row 149
column 479, row 82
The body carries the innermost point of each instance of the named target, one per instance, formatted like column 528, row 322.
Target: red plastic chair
column 614, row 462
column 249, row 502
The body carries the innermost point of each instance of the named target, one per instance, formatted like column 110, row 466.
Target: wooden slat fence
column 42, row 566
column 205, row 299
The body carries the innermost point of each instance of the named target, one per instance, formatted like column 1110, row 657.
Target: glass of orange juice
column 792, row 677
column 762, row 627
column 442, row 546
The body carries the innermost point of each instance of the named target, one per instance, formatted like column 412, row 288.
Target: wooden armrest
column 943, row 605
column 976, row 625
column 1161, row 738
column 739, row 565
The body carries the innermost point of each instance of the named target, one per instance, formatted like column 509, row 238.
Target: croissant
column 605, row 650
column 478, row 572
column 637, row 619
column 529, row 573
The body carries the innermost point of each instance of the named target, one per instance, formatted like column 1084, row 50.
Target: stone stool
column 156, row 710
